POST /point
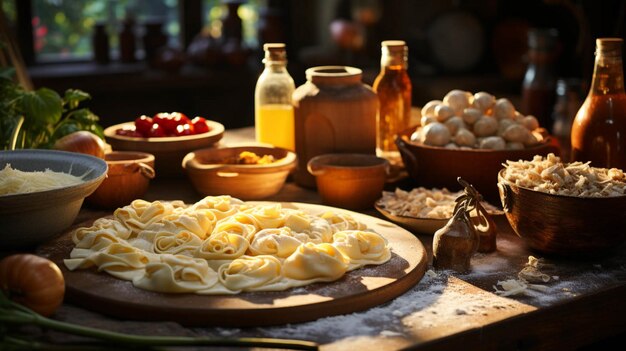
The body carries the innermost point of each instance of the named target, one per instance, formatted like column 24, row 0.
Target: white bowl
column 32, row 218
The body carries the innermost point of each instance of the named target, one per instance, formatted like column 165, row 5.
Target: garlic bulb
column 435, row 134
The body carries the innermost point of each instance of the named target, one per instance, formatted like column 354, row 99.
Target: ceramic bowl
column 564, row 225
column 168, row 151
column 32, row 218
column 128, row 179
column 351, row 181
column 438, row 167
column 211, row 175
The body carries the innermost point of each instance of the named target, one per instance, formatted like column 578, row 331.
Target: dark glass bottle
column 128, row 41
column 569, row 98
column 101, row 44
column 539, row 85
column 599, row 129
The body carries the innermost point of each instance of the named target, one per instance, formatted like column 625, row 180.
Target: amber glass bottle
column 599, row 129
column 393, row 87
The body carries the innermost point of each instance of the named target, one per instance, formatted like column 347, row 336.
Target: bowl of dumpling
column 42, row 191
column 470, row 136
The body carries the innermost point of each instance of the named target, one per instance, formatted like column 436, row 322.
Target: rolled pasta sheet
column 270, row 216
column 321, row 262
column 183, row 242
column 250, row 273
column 299, row 222
column 222, row 246
column 140, row 214
column 362, row 247
column 109, row 224
column 321, row 231
column 341, row 221
column 98, row 239
column 120, row 260
column 176, row 274
column 232, row 226
column 200, row 222
column 221, row 206
column 280, row 242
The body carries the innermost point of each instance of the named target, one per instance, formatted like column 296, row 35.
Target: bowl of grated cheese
column 42, row 191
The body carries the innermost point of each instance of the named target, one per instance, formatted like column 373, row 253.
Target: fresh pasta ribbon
column 174, row 273
column 362, row 247
column 321, row 262
column 141, row 214
column 222, row 246
column 340, row 222
column 221, row 206
column 280, row 242
column 250, row 273
column 120, row 260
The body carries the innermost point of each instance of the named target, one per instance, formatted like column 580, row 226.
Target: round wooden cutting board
column 358, row 290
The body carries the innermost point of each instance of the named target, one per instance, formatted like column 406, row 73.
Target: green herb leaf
column 73, row 97
column 43, row 106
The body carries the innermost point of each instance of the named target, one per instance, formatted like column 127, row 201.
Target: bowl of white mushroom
column 470, row 136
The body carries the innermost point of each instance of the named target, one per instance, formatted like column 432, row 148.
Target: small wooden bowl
column 168, row 151
column 128, row 179
column 351, row 181
column 438, row 167
column 564, row 225
column 211, row 176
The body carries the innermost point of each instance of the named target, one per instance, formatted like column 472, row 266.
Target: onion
column 83, row 142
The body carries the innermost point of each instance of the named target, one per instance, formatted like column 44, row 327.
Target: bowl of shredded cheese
column 42, row 191
column 570, row 209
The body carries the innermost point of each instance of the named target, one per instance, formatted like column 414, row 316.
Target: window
column 62, row 29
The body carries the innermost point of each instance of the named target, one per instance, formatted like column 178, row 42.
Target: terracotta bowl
column 168, row 151
column 351, row 181
column 33, row 218
column 211, row 176
column 564, row 225
column 127, row 179
column 438, row 167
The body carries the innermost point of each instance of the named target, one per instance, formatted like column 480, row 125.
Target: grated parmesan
column 14, row 181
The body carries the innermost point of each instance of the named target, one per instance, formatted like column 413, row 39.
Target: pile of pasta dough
column 221, row 245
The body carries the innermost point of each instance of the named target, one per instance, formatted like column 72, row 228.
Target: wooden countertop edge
column 565, row 326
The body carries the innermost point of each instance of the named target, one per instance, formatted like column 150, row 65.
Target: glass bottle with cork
column 393, row 87
column 599, row 129
column 274, row 116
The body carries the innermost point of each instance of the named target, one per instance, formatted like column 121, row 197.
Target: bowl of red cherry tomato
column 169, row 136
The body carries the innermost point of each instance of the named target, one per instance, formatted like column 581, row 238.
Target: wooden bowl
column 33, row 218
column 351, row 181
column 564, row 225
column 127, row 179
column 168, row 151
column 211, row 176
column 438, row 167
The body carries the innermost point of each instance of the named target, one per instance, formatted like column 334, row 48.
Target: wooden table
column 582, row 304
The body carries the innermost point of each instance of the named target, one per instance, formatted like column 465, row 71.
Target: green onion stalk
column 13, row 314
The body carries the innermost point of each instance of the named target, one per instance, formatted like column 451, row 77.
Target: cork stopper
column 275, row 51
column 394, row 45
column 611, row 47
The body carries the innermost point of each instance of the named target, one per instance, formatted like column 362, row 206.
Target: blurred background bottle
column 274, row 117
column 539, row 85
column 569, row 98
column 393, row 87
column 599, row 129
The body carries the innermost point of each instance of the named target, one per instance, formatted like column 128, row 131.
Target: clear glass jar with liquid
column 274, row 116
